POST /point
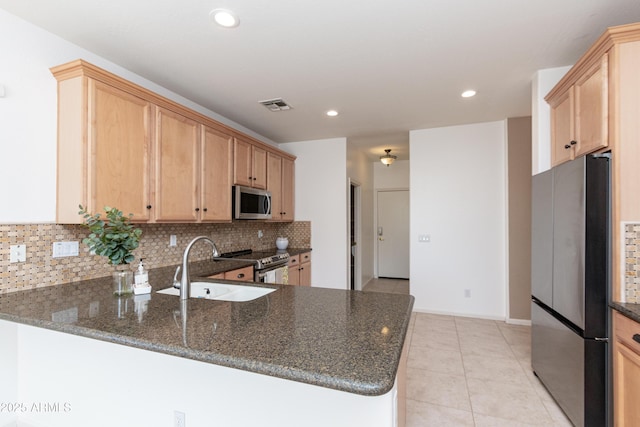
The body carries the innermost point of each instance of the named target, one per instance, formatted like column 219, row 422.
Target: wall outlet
column 424, row 238
column 173, row 240
column 178, row 419
column 260, row 234
column 65, row 249
column 467, row 293
column 17, row 253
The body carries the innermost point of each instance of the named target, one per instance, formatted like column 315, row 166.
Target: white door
column 393, row 234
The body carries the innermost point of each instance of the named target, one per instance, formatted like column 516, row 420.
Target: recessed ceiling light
column 468, row 93
column 224, row 18
column 332, row 113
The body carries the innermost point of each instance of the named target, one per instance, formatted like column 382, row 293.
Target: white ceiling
column 387, row 66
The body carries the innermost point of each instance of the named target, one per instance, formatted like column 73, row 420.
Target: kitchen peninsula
column 297, row 356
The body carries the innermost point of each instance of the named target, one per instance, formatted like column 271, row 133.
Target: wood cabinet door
column 274, row 184
column 294, row 270
column 259, row 167
column 562, row 126
column 626, row 372
column 215, row 175
column 288, row 189
column 119, row 151
column 244, row 274
column 176, row 167
column 242, row 163
column 591, row 109
column 305, row 274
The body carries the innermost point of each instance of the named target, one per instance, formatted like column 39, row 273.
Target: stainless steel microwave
column 251, row 203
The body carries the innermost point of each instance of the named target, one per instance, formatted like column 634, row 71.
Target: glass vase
column 122, row 281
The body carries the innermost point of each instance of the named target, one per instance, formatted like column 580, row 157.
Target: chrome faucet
column 185, row 283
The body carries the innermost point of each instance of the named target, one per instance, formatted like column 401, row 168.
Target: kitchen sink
column 221, row 291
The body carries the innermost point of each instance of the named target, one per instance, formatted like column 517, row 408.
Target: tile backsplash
column 632, row 263
column 41, row 269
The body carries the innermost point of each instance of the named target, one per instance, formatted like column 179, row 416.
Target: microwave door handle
column 267, row 201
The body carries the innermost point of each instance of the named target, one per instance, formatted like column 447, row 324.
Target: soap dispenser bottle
column 141, row 277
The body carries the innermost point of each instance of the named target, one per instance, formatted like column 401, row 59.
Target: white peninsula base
column 64, row 380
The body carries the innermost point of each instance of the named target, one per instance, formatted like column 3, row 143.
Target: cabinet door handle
column 240, row 276
column 566, row 147
column 205, row 209
column 636, row 337
column 250, row 178
column 148, row 206
column 573, row 142
column 197, row 209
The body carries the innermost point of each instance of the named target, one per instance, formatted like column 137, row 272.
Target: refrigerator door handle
column 607, row 339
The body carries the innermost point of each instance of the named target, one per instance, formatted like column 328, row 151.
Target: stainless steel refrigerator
column 569, row 284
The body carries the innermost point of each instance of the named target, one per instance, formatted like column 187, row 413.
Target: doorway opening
column 355, row 277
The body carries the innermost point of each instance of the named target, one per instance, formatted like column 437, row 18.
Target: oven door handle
column 265, row 272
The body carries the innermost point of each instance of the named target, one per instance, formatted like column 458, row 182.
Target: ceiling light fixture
column 225, row 18
column 332, row 113
column 468, row 93
column 387, row 159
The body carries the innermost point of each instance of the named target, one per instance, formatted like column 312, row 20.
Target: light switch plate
column 17, row 253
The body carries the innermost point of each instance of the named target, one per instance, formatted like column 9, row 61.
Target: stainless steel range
column 269, row 266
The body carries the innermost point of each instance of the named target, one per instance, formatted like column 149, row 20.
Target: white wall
column 543, row 81
column 395, row 176
column 321, row 197
column 360, row 170
column 458, row 198
column 28, row 116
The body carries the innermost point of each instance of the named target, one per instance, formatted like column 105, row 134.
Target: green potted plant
column 115, row 238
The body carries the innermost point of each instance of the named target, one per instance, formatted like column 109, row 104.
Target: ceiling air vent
column 276, row 104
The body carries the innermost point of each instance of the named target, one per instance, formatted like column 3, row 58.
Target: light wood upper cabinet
column 579, row 115
column 123, row 146
column 215, row 182
column 280, row 183
column 562, row 128
column 250, row 164
column 176, row 167
column 109, row 164
column 592, row 111
column 288, row 189
column 118, row 163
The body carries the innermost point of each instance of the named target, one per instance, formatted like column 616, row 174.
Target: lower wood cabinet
column 244, row 274
column 300, row 269
column 626, row 371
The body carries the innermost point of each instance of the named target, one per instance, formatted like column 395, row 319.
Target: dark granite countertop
column 297, row 251
column 344, row 340
column 632, row 311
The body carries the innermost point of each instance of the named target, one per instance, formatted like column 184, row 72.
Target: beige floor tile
column 436, row 340
column 558, row 417
column 436, row 359
column 422, row 414
column 515, row 336
column 436, row 324
column 488, row 421
column 485, row 346
column 494, row 369
column 517, row 402
column 438, row 388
